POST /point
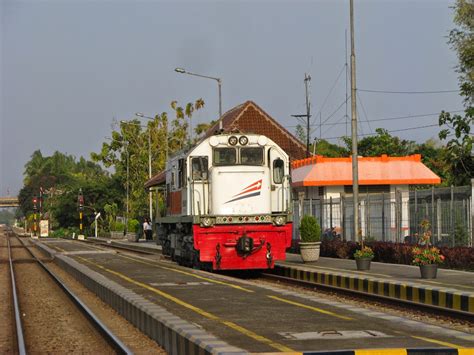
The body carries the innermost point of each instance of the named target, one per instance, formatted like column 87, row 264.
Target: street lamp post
column 149, row 165
column 219, row 84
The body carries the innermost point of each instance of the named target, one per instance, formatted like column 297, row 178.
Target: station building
column 323, row 187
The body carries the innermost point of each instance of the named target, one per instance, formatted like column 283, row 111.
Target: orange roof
column 384, row 170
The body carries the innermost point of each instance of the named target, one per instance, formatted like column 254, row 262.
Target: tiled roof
column 384, row 170
column 158, row 179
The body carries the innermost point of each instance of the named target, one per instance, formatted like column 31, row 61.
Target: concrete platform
column 452, row 289
column 211, row 313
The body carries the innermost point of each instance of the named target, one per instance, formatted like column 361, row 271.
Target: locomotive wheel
column 165, row 250
column 196, row 263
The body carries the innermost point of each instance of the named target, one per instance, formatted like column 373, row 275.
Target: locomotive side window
column 278, row 171
column 224, row 156
column 251, row 156
column 181, row 173
column 199, row 168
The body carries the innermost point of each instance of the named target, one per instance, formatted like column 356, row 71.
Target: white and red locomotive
column 227, row 204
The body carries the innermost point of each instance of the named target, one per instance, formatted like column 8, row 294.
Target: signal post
column 81, row 210
column 35, row 221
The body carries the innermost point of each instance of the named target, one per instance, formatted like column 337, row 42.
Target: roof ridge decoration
column 384, row 158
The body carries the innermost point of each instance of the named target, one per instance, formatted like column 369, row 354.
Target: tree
column 435, row 156
column 460, row 145
column 202, row 128
column 128, row 149
column 300, row 133
column 60, row 177
column 382, row 143
column 324, row 148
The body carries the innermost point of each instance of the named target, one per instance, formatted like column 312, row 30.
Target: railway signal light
column 80, row 200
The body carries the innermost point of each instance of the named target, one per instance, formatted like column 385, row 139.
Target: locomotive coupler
column 244, row 245
column 218, row 256
column 269, row 255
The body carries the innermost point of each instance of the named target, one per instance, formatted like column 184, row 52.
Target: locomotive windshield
column 251, row 156
column 224, row 156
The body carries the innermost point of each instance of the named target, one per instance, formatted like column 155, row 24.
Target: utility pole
column 355, row 168
column 345, row 58
column 307, row 79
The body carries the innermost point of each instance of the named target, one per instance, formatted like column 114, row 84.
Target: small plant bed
column 460, row 258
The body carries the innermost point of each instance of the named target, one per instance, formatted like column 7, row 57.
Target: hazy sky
column 69, row 67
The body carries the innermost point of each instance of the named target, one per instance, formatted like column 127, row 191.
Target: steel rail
column 19, row 326
column 435, row 310
column 108, row 335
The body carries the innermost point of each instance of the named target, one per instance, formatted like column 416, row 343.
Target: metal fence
column 395, row 217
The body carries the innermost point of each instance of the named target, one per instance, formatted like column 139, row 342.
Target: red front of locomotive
column 242, row 246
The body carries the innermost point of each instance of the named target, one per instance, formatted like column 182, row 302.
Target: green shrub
column 59, row 233
column 309, row 229
column 133, row 225
column 118, row 226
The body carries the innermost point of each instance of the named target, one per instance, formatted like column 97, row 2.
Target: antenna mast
column 307, row 79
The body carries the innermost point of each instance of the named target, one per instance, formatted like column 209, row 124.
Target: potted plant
column 363, row 257
column 426, row 257
column 310, row 235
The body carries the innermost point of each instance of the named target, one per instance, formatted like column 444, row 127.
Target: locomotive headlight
column 279, row 220
column 243, row 140
column 206, row 221
column 233, row 140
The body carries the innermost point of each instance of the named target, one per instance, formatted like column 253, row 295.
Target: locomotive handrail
column 199, row 202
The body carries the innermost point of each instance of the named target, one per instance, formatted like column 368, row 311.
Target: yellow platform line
column 198, row 310
column 439, row 342
column 188, row 273
column 381, row 352
column 315, row 309
column 343, row 271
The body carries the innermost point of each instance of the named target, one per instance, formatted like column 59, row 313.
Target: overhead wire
column 391, row 131
column 408, row 92
column 390, row 118
column 365, row 112
column 359, row 122
column 329, row 93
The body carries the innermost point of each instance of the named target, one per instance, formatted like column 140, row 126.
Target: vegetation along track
column 48, row 317
column 430, row 314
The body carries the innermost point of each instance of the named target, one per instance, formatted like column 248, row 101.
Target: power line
column 408, row 92
column 391, row 118
column 365, row 112
column 329, row 93
column 395, row 130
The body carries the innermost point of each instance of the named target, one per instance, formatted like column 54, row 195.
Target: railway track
column 86, row 325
